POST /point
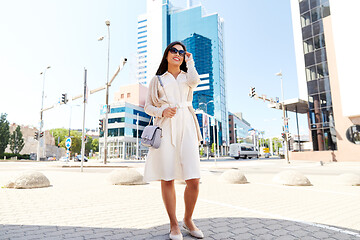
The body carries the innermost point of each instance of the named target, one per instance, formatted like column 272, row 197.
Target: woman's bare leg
column 190, row 197
column 169, row 198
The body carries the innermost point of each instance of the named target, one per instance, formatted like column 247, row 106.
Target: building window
column 122, row 96
column 128, row 95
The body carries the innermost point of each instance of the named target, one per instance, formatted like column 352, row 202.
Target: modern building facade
column 238, row 128
column 326, row 51
column 203, row 37
column 126, row 121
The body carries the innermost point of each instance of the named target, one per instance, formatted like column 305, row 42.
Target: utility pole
column 83, row 127
column 286, row 126
column 41, row 116
column 137, row 136
column 107, row 22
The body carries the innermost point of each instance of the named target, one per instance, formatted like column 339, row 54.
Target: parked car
column 78, row 158
column 63, row 159
column 267, row 155
column 51, row 159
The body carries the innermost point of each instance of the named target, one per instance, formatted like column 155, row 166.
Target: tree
column 16, row 140
column 4, row 133
column 95, row 145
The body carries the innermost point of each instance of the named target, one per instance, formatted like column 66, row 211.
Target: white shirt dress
column 178, row 154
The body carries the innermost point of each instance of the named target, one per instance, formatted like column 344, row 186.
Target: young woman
column 178, row 154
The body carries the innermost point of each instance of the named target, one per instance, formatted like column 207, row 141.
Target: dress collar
column 181, row 71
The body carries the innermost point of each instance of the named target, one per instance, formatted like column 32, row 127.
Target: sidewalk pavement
column 83, row 205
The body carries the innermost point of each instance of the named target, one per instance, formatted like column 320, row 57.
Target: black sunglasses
column 175, row 51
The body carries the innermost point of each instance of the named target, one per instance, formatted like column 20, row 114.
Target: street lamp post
column 208, row 123
column 41, row 115
column 284, row 117
column 107, row 22
column 137, row 136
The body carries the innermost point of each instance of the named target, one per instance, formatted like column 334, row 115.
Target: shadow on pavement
column 213, row 228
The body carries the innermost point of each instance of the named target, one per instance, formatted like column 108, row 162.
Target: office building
column 326, row 45
column 126, row 120
column 238, row 127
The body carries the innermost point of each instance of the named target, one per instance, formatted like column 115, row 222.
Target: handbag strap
column 162, row 85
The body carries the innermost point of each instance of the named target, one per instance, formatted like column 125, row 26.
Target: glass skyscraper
column 203, row 37
column 321, row 117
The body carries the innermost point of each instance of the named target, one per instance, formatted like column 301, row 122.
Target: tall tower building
column 326, row 46
column 203, row 37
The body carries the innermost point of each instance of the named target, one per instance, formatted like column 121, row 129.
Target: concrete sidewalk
column 85, row 206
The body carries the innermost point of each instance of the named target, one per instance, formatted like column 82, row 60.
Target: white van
column 243, row 150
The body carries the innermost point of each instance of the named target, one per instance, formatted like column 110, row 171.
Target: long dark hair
column 164, row 63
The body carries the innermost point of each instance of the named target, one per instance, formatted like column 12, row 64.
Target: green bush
column 10, row 155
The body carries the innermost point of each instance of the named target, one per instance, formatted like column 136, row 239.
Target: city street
column 83, row 205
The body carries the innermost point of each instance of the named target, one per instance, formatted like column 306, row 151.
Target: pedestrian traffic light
column 36, row 136
column 288, row 137
column 101, row 125
column 252, row 92
column 64, row 98
column 41, row 134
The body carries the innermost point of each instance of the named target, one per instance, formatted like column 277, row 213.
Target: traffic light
column 85, row 138
column 36, row 136
column 41, row 134
column 288, row 137
column 283, row 135
column 252, row 92
column 64, row 98
column 101, row 125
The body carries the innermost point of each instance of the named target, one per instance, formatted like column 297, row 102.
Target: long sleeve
column 193, row 78
column 150, row 106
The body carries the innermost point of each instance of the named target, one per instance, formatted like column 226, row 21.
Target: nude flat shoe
column 197, row 234
column 175, row 237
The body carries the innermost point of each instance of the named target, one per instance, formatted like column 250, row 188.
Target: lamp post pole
column 208, row 123
column 107, row 22
column 41, row 115
column 137, row 136
column 284, row 117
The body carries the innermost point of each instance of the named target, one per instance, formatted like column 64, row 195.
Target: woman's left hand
column 188, row 56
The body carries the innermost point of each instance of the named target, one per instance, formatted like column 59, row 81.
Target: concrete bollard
column 349, row 179
column 291, row 178
column 125, row 176
column 233, row 176
column 29, row 179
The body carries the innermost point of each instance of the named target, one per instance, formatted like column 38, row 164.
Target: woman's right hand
column 169, row 112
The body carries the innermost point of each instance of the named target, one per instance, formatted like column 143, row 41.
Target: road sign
column 286, row 128
column 277, row 100
column 68, row 143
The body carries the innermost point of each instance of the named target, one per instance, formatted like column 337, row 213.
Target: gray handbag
column 151, row 136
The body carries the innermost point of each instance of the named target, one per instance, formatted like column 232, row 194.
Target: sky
column 258, row 43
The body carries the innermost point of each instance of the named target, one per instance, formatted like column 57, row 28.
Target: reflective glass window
column 319, row 41
column 320, row 55
column 318, row 27
column 307, row 32
column 304, row 6
column 325, row 99
column 313, row 87
column 305, row 19
column 309, row 59
column 325, row 8
column 324, row 85
column 322, row 70
column 310, row 73
column 314, row 3
column 315, row 14
column 308, row 45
